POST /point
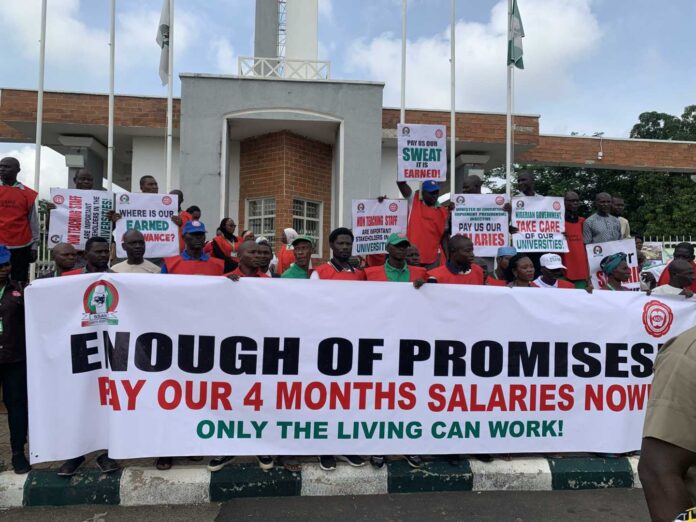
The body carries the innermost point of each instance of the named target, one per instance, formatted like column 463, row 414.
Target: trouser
column 20, row 259
column 13, row 377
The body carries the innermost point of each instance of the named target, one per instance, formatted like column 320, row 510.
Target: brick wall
column 283, row 165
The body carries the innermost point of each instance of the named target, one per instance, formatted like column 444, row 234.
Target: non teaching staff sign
column 373, row 222
column 79, row 215
column 151, row 214
column 114, row 364
column 421, row 152
column 540, row 223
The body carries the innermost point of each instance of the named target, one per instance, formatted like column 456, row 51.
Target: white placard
column 373, row 222
column 482, row 218
column 79, row 215
column 421, row 152
column 598, row 251
column 540, row 223
column 151, row 214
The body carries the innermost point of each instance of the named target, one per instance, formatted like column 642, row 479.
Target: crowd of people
column 427, row 253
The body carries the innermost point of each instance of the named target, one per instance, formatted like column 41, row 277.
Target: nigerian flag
column 515, row 35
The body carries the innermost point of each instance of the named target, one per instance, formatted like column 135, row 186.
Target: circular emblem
column 460, row 200
column 123, row 198
column 438, row 134
column 100, row 297
column 657, row 318
column 597, row 250
column 405, row 131
column 166, row 200
column 361, row 207
column 499, row 200
column 58, row 199
column 556, row 205
column 55, row 239
column 519, row 204
column 393, row 207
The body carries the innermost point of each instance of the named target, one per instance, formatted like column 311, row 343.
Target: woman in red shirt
column 286, row 256
column 225, row 244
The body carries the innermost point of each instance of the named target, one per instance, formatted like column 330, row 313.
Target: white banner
column 152, row 215
column 482, row 218
column 421, row 152
column 540, row 223
column 598, row 251
column 115, row 362
column 79, row 215
column 373, row 222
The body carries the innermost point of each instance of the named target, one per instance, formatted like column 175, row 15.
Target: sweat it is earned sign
column 422, row 152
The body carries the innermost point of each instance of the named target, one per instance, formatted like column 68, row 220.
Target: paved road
column 587, row 506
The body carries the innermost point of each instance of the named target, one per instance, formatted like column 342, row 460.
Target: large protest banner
column 79, row 215
column 114, row 363
column 421, row 152
column 152, row 215
column 540, row 223
column 482, row 218
column 598, row 251
column 374, row 221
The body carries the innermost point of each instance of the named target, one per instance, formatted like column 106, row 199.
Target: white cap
column 551, row 261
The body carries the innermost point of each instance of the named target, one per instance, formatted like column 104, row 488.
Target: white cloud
column 54, row 173
column 223, row 53
column 326, row 9
column 559, row 32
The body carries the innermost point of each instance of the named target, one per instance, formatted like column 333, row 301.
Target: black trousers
column 13, row 377
column 20, row 259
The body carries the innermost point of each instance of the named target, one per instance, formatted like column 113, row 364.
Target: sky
column 590, row 65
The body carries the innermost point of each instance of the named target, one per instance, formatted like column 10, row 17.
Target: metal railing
column 259, row 67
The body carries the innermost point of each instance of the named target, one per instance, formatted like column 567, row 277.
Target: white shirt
column 667, row 290
column 146, row 267
column 540, row 283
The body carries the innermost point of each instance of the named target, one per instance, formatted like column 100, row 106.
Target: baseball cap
column 397, row 239
column 551, row 261
column 194, row 227
column 4, row 255
column 506, row 251
column 303, row 237
column 430, row 185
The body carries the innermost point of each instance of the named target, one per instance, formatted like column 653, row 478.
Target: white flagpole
column 453, row 127
column 112, row 57
column 508, row 136
column 403, row 61
column 39, row 99
column 170, row 90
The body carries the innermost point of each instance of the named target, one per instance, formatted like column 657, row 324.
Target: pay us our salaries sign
column 482, row 218
column 540, row 223
column 114, row 364
column 421, row 152
column 151, row 214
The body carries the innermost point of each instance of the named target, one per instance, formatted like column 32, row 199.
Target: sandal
column 292, row 464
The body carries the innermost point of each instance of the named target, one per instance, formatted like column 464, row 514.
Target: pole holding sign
column 422, row 152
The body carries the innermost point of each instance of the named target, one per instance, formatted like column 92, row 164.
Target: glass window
column 306, row 219
column 261, row 217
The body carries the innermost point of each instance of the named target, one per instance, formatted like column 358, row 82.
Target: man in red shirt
column 460, row 269
column 577, row 271
column 339, row 267
column 427, row 221
column 182, row 218
column 395, row 269
column 251, row 258
column 551, row 272
column 193, row 261
column 681, row 251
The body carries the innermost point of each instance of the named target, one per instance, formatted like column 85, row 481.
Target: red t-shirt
column 575, row 260
column 179, row 265
column 664, row 277
column 285, row 259
column 15, row 205
column 492, row 281
column 328, row 271
column 378, row 273
column 443, row 274
column 426, row 225
column 185, row 217
column 239, row 273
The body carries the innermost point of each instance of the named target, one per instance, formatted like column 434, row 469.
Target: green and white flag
column 515, row 35
column 162, row 40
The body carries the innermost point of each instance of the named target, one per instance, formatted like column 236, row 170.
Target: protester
column 339, row 267
column 248, row 235
column 483, row 264
column 64, row 259
column 303, row 246
column 502, row 259
column 471, row 184
column 286, row 257
column 520, row 271
column 412, row 256
column 459, row 269
column 639, row 242
column 134, row 245
column 182, row 218
column 617, row 271
column 575, row 260
column 193, row 260
column 195, row 212
column 250, row 260
column 148, row 185
column 269, row 259
column 526, row 185
column 601, row 226
column 224, row 244
column 681, row 277
column 427, row 221
column 683, row 251
column 96, row 257
column 669, row 445
column 19, row 220
column 617, row 208
column 395, row 269
column 552, row 270
column 83, row 180
column 13, row 366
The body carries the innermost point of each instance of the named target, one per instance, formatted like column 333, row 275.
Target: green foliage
column 657, row 203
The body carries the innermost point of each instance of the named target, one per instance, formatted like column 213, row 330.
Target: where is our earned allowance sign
column 421, row 152
column 151, row 214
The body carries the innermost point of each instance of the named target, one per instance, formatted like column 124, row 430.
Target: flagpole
column 39, row 99
column 508, row 136
column 112, row 57
column 403, row 61
column 453, row 127
column 170, row 91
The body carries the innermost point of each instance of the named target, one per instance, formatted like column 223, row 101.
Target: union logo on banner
column 657, row 318
column 99, row 302
column 124, row 198
column 499, row 200
column 519, row 204
column 393, row 207
column 361, row 207
column 58, row 199
column 460, row 200
column 438, row 134
column 166, row 200
column 556, row 205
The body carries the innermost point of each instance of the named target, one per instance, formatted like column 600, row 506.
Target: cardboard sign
column 79, row 215
column 482, row 218
column 540, row 223
column 598, row 251
column 422, row 152
column 373, row 222
column 152, row 215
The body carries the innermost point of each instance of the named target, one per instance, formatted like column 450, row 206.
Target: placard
column 540, row 223
column 151, row 214
column 598, row 251
column 482, row 218
column 79, row 215
column 373, row 222
column 421, row 152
